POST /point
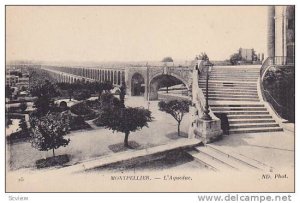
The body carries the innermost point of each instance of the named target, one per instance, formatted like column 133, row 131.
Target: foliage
column 122, row 94
column 8, row 91
column 78, row 123
column 52, row 161
column 23, row 125
column 203, row 56
column 167, row 59
column 18, row 136
column 108, row 100
column 81, row 109
column 125, row 120
column 63, row 105
column 176, row 108
column 49, row 130
column 167, row 81
column 8, row 121
column 44, row 91
column 93, row 104
column 235, row 58
column 82, row 94
column 23, row 106
column 280, row 84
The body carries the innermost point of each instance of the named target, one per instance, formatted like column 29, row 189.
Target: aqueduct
column 139, row 80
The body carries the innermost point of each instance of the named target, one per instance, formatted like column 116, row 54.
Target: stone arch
column 159, row 80
column 137, row 84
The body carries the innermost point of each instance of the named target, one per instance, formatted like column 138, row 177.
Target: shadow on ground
column 174, row 135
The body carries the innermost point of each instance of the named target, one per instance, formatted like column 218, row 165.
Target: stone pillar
column 271, row 31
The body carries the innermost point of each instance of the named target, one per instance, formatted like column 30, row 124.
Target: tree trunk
column 53, row 152
column 126, row 140
column 178, row 128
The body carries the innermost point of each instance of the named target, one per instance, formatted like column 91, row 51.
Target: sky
column 132, row 33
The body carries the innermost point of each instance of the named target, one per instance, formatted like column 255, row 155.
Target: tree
column 98, row 87
column 107, row 100
column 122, row 94
column 23, row 125
column 48, row 132
column 44, row 91
column 125, row 120
column 235, row 58
column 176, row 108
column 167, row 59
column 82, row 94
column 203, row 56
column 107, row 86
column 23, row 106
column 8, row 91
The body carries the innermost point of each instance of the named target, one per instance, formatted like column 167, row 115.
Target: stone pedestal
column 208, row 131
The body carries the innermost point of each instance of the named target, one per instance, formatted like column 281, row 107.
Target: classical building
column 281, row 32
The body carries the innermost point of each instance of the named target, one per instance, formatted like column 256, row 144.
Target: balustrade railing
column 268, row 63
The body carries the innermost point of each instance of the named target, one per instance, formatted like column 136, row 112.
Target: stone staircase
column 233, row 91
column 219, row 160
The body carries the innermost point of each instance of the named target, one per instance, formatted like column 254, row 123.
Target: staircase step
column 252, row 162
column 233, row 99
column 226, row 108
column 233, row 89
column 209, row 162
column 244, row 112
column 237, row 105
column 231, row 76
column 232, row 96
column 240, row 121
column 255, row 130
column 252, row 125
column 229, row 82
column 249, row 116
column 225, row 158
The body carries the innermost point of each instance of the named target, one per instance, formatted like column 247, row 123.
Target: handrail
column 266, row 95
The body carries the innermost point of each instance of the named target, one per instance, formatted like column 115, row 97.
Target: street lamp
column 206, row 115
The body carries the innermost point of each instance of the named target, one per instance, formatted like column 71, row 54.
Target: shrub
column 94, row 104
column 8, row 121
column 78, row 123
column 23, row 106
column 18, row 136
column 82, row 95
column 52, row 161
column 81, row 109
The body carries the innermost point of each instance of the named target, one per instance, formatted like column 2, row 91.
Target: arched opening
column 112, row 77
column 137, row 85
column 105, row 75
column 167, row 86
column 108, row 76
column 115, row 77
column 119, row 78
column 123, row 77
